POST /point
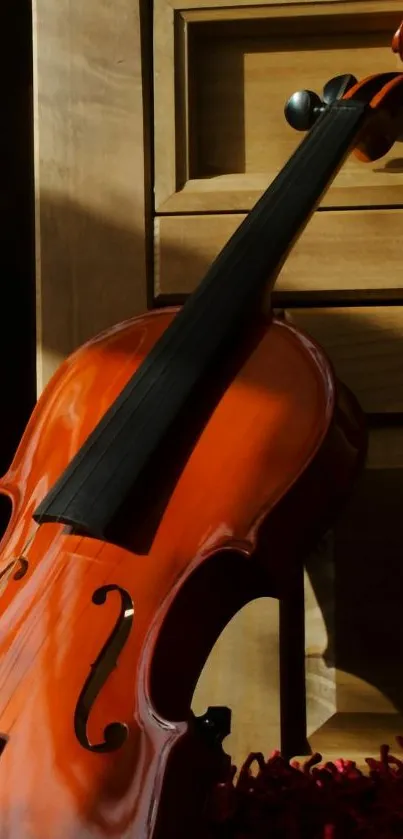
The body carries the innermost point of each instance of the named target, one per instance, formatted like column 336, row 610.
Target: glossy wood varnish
column 225, row 536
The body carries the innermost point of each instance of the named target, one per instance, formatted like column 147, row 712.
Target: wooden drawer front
column 338, row 251
column 222, row 77
column 365, row 345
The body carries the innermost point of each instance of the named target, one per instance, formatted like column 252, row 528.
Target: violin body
column 175, row 468
column 92, row 633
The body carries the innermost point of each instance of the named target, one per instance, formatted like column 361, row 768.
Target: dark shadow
column 363, row 619
column 369, row 584
column 17, row 327
column 84, row 255
column 216, row 108
column 391, row 167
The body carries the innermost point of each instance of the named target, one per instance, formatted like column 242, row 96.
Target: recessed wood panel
column 242, row 73
column 365, row 345
column 226, row 78
column 339, row 250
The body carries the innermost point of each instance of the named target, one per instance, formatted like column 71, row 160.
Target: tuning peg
column 302, row 109
column 397, row 42
column 337, row 87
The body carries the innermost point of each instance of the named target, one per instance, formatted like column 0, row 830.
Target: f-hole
column 115, row 733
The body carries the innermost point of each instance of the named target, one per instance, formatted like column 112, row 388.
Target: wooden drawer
column 365, row 345
column 222, row 76
column 350, row 251
column 338, row 251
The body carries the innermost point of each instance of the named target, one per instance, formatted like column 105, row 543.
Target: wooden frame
column 186, row 245
column 175, row 25
column 90, row 167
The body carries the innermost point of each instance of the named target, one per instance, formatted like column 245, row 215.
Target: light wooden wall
column 90, row 170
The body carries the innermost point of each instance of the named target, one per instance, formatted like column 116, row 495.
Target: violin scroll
column 384, row 125
column 382, row 94
column 397, row 42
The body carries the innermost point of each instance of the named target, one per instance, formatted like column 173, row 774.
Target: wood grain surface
column 90, row 172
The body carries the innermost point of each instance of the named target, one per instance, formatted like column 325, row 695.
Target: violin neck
column 104, row 472
column 252, row 259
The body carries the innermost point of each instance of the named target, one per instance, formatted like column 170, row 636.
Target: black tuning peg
column 337, row 87
column 215, row 724
column 302, row 109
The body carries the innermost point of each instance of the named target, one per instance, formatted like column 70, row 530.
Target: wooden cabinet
column 222, row 74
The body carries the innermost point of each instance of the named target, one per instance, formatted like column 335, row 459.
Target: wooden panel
column 242, row 672
column 217, row 144
column 365, row 346
column 165, row 155
column 365, row 638
column 337, row 251
column 386, row 448
column 218, row 9
column 357, row 736
column 90, row 165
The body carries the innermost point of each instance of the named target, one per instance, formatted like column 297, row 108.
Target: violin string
column 118, row 375
column 28, row 543
column 209, row 296
column 259, row 222
column 256, row 223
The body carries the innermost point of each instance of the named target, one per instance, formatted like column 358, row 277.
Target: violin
column 176, row 467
